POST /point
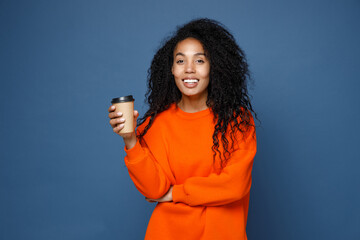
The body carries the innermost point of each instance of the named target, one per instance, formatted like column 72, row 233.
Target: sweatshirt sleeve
column 149, row 177
column 230, row 185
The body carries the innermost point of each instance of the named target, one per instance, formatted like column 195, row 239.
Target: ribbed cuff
column 179, row 194
column 134, row 154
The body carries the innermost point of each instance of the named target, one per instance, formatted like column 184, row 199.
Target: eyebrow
column 196, row 54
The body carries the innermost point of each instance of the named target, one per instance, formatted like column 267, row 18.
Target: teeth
column 191, row 80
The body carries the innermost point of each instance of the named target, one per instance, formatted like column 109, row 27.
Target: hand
column 166, row 198
column 117, row 123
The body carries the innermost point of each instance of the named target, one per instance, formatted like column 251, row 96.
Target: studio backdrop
column 62, row 171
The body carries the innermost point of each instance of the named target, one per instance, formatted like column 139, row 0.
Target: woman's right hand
column 117, row 122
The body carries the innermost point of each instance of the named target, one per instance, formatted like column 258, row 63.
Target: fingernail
column 112, row 107
column 121, row 125
column 122, row 119
column 119, row 113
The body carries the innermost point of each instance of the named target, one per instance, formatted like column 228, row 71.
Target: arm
column 232, row 184
column 149, row 177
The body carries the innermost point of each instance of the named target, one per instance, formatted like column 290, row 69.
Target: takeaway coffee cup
column 126, row 106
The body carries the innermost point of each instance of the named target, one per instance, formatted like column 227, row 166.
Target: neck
column 192, row 104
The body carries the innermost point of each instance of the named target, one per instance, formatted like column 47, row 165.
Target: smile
column 191, row 80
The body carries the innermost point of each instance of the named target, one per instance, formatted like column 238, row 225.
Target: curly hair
column 228, row 96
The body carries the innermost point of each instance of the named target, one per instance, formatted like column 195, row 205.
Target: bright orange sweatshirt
column 208, row 203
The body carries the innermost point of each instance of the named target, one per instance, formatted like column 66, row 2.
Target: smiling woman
column 194, row 148
column 191, row 70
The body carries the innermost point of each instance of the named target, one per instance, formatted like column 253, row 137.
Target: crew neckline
column 193, row 115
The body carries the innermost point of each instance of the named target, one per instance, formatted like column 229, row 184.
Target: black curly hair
column 228, row 96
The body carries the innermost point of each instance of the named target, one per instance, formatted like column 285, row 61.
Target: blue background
column 62, row 174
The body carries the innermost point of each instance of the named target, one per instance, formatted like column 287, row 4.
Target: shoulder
column 160, row 121
column 243, row 128
column 245, row 120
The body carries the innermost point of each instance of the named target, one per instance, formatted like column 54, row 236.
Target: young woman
column 193, row 150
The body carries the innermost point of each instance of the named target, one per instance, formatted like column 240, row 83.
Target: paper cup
column 126, row 106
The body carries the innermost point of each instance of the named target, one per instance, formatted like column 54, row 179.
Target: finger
column 115, row 114
column 118, row 128
column 111, row 108
column 115, row 121
column 136, row 113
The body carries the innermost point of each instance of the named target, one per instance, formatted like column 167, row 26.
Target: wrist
column 130, row 141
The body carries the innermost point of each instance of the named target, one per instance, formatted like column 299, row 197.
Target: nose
column 190, row 67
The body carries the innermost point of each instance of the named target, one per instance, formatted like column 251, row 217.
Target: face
column 191, row 69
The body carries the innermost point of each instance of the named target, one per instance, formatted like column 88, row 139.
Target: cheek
column 208, row 71
column 175, row 71
column 204, row 71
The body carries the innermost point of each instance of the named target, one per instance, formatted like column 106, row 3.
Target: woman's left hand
column 166, row 198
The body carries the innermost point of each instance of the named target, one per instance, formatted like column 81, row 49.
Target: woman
column 194, row 148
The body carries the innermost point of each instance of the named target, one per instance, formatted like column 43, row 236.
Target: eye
column 179, row 61
column 200, row 61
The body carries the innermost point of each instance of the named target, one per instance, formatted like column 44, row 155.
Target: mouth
column 190, row 82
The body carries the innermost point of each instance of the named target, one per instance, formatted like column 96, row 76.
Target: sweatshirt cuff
column 134, row 154
column 179, row 194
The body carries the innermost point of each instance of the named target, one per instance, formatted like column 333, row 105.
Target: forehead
column 189, row 45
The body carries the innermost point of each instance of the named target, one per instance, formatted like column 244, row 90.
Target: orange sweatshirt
column 208, row 203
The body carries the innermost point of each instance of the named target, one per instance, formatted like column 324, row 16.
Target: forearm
column 232, row 184
column 147, row 175
column 212, row 190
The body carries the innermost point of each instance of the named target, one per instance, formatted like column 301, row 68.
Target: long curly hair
column 228, row 96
